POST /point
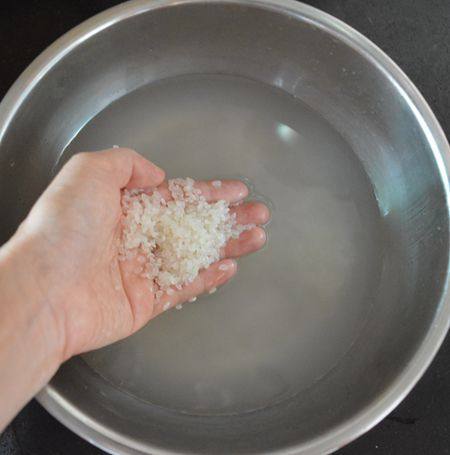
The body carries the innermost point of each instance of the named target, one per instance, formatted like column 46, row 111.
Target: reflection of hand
column 74, row 228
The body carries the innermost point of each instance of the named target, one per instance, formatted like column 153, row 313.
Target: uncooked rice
column 177, row 238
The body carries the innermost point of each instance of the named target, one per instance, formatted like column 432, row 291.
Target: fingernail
column 159, row 170
column 243, row 191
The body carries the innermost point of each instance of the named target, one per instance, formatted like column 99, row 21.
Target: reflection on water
column 286, row 133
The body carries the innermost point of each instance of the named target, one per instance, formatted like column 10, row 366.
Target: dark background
column 416, row 34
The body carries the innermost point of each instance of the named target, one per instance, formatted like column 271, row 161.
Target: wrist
column 25, row 308
column 31, row 341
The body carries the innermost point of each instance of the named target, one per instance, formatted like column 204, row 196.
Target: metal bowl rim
column 349, row 430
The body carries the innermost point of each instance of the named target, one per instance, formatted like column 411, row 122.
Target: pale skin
column 64, row 290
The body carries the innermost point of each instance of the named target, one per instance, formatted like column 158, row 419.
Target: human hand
column 71, row 245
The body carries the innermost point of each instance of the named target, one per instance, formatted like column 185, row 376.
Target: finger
column 139, row 291
column 121, row 166
column 248, row 242
column 207, row 280
column 251, row 213
column 133, row 170
column 228, row 190
column 231, row 191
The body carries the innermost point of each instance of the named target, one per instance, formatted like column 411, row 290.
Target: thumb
column 131, row 169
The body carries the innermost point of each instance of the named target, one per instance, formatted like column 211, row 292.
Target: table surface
column 416, row 34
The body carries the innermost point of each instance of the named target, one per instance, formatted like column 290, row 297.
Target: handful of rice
column 175, row 239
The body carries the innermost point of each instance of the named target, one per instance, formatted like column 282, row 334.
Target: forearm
column 30, row 340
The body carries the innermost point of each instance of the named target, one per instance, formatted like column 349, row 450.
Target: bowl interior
column 318, row 324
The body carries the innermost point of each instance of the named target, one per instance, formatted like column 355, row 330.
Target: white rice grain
column 177, row 238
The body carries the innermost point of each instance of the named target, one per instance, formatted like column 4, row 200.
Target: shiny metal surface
column 354, row 163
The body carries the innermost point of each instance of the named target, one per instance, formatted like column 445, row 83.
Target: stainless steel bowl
column 327, row 329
